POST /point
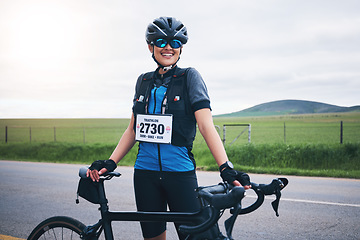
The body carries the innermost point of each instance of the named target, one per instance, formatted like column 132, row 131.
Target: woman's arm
column 212, row 138
column 127, row 141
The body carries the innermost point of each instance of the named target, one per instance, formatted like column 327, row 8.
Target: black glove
column 230, row 175
column 110, row 165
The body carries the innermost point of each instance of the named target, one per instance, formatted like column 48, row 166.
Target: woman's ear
column 151, row 48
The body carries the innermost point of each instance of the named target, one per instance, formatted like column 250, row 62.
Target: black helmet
column 168, row 28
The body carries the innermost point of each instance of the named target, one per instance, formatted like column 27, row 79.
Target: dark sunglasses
column 161, row 43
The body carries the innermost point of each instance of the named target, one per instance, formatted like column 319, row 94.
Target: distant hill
column 285, row 107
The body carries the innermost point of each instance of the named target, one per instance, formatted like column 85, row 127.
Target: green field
column 299, row 129
column 290, row 144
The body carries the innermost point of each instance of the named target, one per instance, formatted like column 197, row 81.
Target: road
column 311, row 208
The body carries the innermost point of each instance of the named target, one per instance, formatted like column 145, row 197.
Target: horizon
column 213, row 115
column 76, row 59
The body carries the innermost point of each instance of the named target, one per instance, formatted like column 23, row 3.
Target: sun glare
column 42, row 32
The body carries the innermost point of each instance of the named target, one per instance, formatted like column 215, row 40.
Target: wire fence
column 61, row 134
column 231, row 134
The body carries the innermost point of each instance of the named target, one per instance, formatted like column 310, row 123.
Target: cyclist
column 170, row 102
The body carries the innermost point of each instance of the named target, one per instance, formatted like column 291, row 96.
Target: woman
column 168, row 104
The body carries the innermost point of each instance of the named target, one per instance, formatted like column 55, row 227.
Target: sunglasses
column 161, row 43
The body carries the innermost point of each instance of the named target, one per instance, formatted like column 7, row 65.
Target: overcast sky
column 81, row 58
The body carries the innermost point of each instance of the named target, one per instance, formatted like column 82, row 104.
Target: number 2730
column 152, row 127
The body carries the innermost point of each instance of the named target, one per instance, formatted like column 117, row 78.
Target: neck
column 165, row 69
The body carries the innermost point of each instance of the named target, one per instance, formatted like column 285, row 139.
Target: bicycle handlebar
column 225, row 196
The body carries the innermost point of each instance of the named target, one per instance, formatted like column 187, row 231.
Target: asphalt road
column 311, row 208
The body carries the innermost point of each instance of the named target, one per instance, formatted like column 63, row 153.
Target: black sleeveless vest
column 176, row 102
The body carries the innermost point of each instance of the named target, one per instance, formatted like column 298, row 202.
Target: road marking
column 311, row 201
column 4, row 237
column 321, row 202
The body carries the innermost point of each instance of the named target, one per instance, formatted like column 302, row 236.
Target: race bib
column 154, row 128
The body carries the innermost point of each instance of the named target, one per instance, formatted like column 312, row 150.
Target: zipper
column 158, row 145
column 159, row 157
column 155, row 100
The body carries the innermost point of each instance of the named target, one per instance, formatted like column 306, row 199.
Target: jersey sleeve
column 198, row 94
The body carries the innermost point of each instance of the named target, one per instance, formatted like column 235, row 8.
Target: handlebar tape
column 214, row 216
column 218, row 200
column 223, row 201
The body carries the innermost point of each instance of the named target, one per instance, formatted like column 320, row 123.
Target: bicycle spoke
column 54, row 234
column 59, row 233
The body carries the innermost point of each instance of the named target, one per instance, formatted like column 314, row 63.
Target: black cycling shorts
column 155, row 191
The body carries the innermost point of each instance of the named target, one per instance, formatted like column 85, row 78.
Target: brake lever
column 275, row 203
column 229, row 223
column 275, row 187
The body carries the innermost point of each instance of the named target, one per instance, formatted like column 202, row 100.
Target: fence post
column 30, row 133
column 54, row 134
column 249, row 134
column 284, row 133
column 224, row 134
column 6, row 134
column 84, row 135
column 341, row 132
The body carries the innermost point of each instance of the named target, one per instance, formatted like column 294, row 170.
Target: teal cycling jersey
column 168, row 157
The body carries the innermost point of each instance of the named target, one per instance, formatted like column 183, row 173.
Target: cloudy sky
column 81, row 58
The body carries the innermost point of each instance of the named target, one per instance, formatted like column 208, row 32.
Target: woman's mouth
column 167, row 55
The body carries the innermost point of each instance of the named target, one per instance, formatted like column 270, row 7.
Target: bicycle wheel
column 58, row 227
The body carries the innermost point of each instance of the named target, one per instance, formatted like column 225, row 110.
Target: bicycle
column 214, row 200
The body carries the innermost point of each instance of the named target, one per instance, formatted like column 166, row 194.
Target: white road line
column 320, row 202
column 311, row 201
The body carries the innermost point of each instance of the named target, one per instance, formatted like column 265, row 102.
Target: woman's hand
column 100, row 167
column 237, row 183
column 95, row 174
column 236, row 178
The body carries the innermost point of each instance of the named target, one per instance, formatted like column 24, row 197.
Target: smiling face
column 166, row 56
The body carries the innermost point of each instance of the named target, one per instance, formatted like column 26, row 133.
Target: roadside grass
column 332, row 160
column 306, row 145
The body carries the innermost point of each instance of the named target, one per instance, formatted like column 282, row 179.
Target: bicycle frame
column 193, row 223
column 203, row 224
column 107, row 217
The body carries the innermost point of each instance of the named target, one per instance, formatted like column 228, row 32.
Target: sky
column 81, row 58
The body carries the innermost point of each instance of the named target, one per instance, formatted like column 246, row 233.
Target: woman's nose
column 168, row 46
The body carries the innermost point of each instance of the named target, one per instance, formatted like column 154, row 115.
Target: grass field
column 299, row 129
column 308, row 146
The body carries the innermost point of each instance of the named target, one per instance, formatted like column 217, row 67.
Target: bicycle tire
column 59, row 227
